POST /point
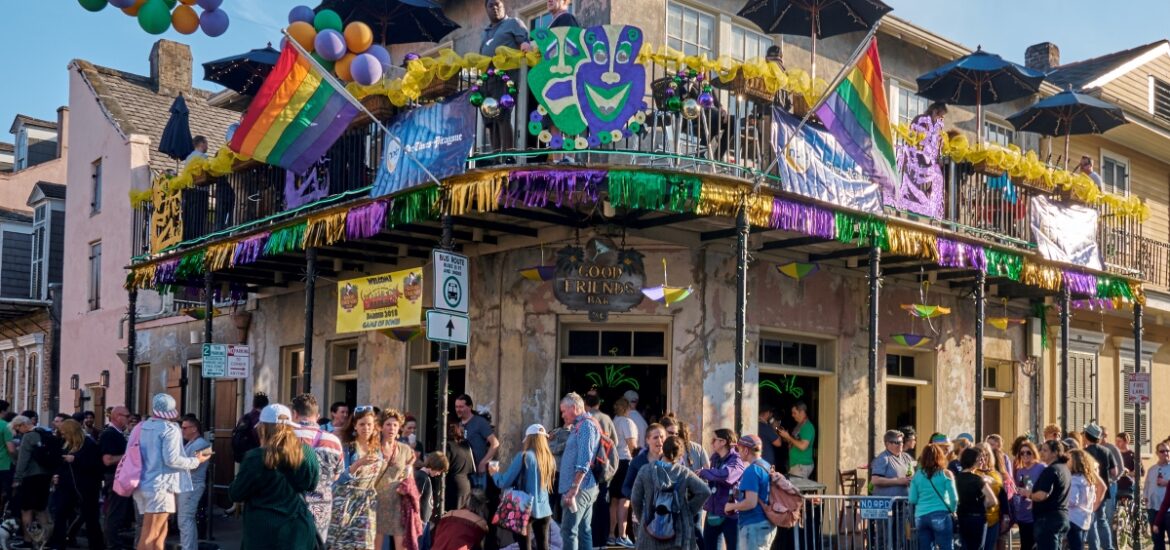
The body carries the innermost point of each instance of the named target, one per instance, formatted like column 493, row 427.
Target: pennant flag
column 295, row 117
column 910, row 340
column 667, row 295
column 539, row 273
column 857, row 114
column 923, row 311
column 798, row 270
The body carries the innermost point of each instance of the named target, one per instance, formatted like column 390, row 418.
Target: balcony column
column 980, row 311
column 131, row 345
column 742, row 229
column 875, row 274
column 446, row 242
column 310, row 291
column 1065, row 305
column 1137, row 413
column 208, row 337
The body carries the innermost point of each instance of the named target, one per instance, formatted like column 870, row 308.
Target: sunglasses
column 363, row 408
column 898, row 442
column 1163, row 451
column 1025, row 453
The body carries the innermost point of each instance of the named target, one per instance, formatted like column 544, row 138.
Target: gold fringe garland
column 718, row 199
column 909, row 242
column 325, row 229
column 480, row 195
column 219, row 256
column 1041, row 276
column 759, row 209
column 141, row 277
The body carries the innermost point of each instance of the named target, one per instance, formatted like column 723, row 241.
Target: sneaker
column 625, row 542
column 611, row 541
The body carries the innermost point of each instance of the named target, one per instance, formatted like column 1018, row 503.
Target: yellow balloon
column 341, row 67
column 184, row 19
column 303, row 33
column 358, row 37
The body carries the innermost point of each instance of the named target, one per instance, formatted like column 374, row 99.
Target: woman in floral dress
column 353, row 524
column 399, row 460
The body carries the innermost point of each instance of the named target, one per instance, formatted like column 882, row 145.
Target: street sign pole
column 1137, row 429
column 447, row 242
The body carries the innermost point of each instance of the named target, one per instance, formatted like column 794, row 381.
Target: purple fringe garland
column 1093, row 304
column 164, row 273
column 537, row 188
column 366, row 221
column 803, row 218
column 1080, row 283
column 250, row 249
column 957, row 254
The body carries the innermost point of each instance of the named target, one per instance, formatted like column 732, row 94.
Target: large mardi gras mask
column 610, row 83
column 552, row 79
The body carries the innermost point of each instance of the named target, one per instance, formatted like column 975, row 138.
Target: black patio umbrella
column 979, row 78
column 1069, row 113
column 396, row 21
column 244, row 73
column 176, row 137
column 814, row 18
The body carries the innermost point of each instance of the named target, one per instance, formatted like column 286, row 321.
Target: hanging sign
column 386, row 301
column 302, row 189
column 599, row 278
column 875, row 507
column 1139, row 388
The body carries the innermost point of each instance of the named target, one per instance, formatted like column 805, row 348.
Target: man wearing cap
column 329, row 457
column 166, row 471
column 755, row 531
column 1100, row 536
column 639, row 420
column 574, row 480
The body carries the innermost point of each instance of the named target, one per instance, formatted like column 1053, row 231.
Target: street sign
column 875, row 507
column 227, row 361
column 444, row 326
column 1139, row 388
column 451, row 291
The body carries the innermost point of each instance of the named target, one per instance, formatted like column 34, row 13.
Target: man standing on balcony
column 501, row 31
column 1086, row 168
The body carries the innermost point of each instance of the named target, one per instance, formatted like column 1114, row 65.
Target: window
column 901, row 366
column 747, row 44
column 907, row 104
column 95, row 275
column 423, row 385
column 910, row 396
column 998, row 413
column 293, row 373
column 543, row 18
column 1129, row 411
column 31, row 380
column 788, row 353
column 1114, row 173
column 10, row 379
column 40, row 226
column 1160, row 98
column 998, row 134
column 95, row 202
column 1082, row 378
column 689, row 30
column 343, row 373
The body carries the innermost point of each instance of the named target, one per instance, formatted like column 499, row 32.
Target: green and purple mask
column 552, row 80
column 610, row 83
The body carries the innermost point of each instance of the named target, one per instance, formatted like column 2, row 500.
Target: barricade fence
column 845, row 522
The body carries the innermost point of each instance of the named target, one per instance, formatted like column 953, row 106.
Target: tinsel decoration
column 479, row 195
column 717, row 199
column 190, row 265
column 164, row 271
column 803, row 218
column 1083, row 284
column 1094, row 304
column 862, row 230
column 219, row 256
column 539, row 188
column 1113, row 287
column 915, row 244
column 1041, row 276
column 759, row 209
column 418, row 205
column 324, row 229
column 140, row 277
column 654, row 190
column 366, row 220
column 1041, row 312
column 1003, row 264
column 249, row 249
column 284, row 240
column 960, row 254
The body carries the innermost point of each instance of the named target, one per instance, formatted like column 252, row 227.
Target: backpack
column 129, row 472
column 244, row 437
column 49, row 453
column 785, row 505
column 662, row 521
column 605, row 460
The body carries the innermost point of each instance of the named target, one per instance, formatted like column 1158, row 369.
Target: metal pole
column 980, row 307
column 55, row 351
column 310, row 291
column 447, row 242
column 1065, row 305
column 875, row 274
column 208, row 337
column 1137, row 429
column 742, row 229
column 131, row 345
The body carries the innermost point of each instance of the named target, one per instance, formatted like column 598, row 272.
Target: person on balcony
column 922, row 186
column 1086, row 168
column 502, row 30
column 200, row 151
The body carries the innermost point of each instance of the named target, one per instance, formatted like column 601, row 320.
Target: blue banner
column 817, row 166
column 438, row 137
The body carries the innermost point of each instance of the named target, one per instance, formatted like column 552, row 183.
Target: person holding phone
column 194, row 446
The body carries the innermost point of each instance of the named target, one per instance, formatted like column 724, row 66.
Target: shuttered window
column 1082, row 375
column 1129, row 411
column 1161, row 98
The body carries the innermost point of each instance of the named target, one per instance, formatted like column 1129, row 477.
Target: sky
column 44, row 35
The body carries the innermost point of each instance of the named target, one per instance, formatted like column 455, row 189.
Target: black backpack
column 49, row 453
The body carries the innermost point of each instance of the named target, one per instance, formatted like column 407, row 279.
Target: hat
column 163, row 406
column 1070, row 444
column 970, row 438
column 272, row 413
column 939, row 439
column 750, row 441
column 1093, row 431
column 631, row 396
column 535, row 429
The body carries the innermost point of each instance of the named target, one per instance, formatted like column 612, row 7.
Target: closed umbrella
column 176, row 137
column 243, row 73
column 814, row 18
column 1069, row 113
column 979, row 78
column 396, row 21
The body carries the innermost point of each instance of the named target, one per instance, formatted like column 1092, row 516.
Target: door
column 227, row 412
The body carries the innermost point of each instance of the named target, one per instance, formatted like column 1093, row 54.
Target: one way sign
column 444, row 326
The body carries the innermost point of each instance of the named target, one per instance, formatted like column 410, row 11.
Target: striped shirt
column 329, row 455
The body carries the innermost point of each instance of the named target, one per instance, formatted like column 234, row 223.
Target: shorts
column 154, row 502
column 615, row 486
column 33, row 493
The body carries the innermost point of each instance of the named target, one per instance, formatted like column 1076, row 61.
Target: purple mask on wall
column 610, row 83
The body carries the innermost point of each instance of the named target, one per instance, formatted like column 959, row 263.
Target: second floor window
column 907, row 104
column 998, row 134
column 747, row 44
column 95, row 275
column 1160, row 98
column 1114, row 174
column 543, row 19
column 689, row 30
column 95, row 202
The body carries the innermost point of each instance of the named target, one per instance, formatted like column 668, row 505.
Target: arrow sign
column 445, row 326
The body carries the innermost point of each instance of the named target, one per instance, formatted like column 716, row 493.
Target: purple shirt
column 722, row 477
column 1022, row 507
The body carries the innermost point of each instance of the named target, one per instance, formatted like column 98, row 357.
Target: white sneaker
column 625, row 541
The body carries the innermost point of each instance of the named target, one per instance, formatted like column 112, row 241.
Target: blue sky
column 47, row 34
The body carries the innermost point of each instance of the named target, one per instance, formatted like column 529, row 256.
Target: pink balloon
column 366, row 69
column 213, row 22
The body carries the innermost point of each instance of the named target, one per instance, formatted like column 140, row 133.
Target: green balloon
column 93, row 5
column 327, row 19
column 154, row 17
column 325, row 63
column 171, row 3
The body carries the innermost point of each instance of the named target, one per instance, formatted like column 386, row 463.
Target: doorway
column 780, row 392
column 614, row 358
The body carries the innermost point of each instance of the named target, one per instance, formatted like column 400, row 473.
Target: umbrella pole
column 979, row 113
column 813, row 66
column 1067, row 135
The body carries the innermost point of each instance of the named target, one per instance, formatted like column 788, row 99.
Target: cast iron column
column 446, row 242
column 208, row 337
column 980, row 311
column 1137, row 413
column 875, row 274
column 131, row 345
column 741, row 259
column 1065, row 305
column 55, row 350
column 310, row 292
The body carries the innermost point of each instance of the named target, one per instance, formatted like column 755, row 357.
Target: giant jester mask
column 552, row 79
column 610, row 83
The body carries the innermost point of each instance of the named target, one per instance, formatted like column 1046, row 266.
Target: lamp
column 104, row 379
column 74, row 382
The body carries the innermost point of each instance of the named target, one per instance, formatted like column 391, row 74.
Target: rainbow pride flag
column 295, row 117
column 857, row 114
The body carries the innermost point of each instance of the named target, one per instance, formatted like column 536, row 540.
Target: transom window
column 901, row 366
column 615, row 343
column 748, row 44
column 789, row 353
column 689, row 30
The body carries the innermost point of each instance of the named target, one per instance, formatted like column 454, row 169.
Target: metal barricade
column 835, row 522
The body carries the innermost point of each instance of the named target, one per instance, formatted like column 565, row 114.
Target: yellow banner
column 166, row 222
column 390, row 300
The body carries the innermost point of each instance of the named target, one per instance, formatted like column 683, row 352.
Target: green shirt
column 5, row 437
column 797, row 457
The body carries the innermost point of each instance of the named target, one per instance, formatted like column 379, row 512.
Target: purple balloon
column 366, row 69
column 122, row 4
column 210, row 4
column 380, row 52
column 330, row 44
column 301, row 13
column 213, row 22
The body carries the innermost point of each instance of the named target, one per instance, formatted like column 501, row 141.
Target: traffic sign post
column 1139, row 388
column 450, row 288
column 444, row 326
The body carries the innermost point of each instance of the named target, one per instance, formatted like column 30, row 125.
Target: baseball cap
column 631, row 396
column 272, row 413
column 970, row 438
column 750, row 441
column 939, row 439
column 535, row 429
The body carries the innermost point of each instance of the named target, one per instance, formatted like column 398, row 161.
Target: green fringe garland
column 1003, row 264
column 285, row 239
column 1041, row 311
column 190, row 265
column 420, row 205
column 1112, row 287
column 654, row 191
column 862, row 230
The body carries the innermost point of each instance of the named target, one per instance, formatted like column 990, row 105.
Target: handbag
column 515, row 507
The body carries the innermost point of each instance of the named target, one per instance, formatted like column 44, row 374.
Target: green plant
column 613, row 377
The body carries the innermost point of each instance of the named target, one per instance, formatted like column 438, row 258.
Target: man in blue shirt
column 755, row 531
column 575, row 481
column 478, row 432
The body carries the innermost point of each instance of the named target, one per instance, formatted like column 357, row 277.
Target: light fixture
column 104, row 379
column 74, row 382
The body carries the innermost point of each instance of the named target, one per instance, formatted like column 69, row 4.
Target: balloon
column 330, row 44
column 324, row 63
column 327, row 19
column 301, row 13
column 135, row 6
column 366, row 69
column 341, row 67
column 170, row 3
column 303, row 33
column 154, row 17
column 358, row 37
column 380, row 52
column 122, row 4
column 213, row 22
column 209, row 5
column 187, row 2
column 185, row 20
column 93, row 5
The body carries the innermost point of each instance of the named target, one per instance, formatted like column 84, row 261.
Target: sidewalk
column 228, row 533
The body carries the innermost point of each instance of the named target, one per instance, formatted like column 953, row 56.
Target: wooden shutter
column 1081, row 370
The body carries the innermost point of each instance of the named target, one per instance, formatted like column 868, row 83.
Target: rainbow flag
column 295, row 117
column 858, row 115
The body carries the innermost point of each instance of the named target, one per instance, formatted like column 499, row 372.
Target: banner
column 439, row 136
column 166, row 220
column 818, row 167
column 1065, row 233
column 300, row 190
column 386, row 301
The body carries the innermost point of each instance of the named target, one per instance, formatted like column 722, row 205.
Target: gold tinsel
column 141, row 277
column 908, row 242
column 219, row 256
column 1139, row 293
column 480, row 195
column 1041, row 276
column 325, row 229
column 760, row 210
column 718, row 199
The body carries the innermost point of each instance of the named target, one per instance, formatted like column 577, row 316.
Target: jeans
column 800, row 470
column 1076, row 538
column 537, row 538
column 991, row 538
column 725, row 530
column 972, row 529
column 756, row 536
column 1160, row 536
column 600, row 522
column 576, row 532
column 1027, row 536
column 1100, row 537
column 935, row 530
column 1050, row 529
column 119, row 514
column 186, row 505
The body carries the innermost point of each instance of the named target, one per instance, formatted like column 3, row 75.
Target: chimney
column 170, row 67
column 1043, row 57
column 62, row 131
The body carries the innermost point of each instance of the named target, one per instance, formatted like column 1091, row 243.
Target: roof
column 31, row 121
column 135, row 107
column 1081, row 74
column 13, row 215
column 52, row 191
column 7, row 148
